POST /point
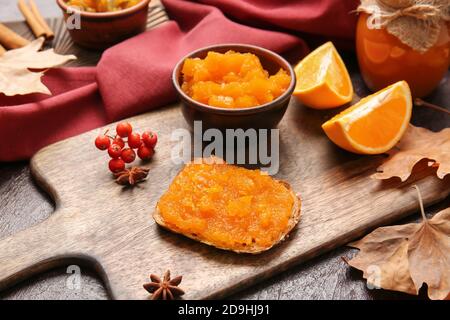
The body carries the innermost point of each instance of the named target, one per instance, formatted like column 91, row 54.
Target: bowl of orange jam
column 234, row 86
column 99, row 24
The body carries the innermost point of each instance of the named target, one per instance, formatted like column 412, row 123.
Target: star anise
column 131, row 176
column 165, row 289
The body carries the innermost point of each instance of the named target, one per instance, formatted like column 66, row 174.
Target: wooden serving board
column 110, row 228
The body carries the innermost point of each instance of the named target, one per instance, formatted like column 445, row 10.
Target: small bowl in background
column 100, row 30
column 264, row 116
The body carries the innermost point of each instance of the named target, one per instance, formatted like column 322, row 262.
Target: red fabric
column 326, row 19
column 134, row 76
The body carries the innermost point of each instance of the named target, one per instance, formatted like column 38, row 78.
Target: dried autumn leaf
column 15, row 76
column 417, row 144
column 404, row 257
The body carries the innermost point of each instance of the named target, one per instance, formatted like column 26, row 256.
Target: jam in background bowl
column 264, row 116
column 100, row 30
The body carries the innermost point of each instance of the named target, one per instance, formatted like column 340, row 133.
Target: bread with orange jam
column 228, row 207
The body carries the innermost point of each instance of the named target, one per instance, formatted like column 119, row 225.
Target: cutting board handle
column 36, row 249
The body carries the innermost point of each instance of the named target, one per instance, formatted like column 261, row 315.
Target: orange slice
column 374, row 124
column 323, row 81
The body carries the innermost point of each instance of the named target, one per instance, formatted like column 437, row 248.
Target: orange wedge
column 375, row 124
column 323, row 81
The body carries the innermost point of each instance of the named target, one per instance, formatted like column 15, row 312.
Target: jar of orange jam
column 384, row 59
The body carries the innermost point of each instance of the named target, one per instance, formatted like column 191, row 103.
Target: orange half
column 323, row 81
column 375, row 124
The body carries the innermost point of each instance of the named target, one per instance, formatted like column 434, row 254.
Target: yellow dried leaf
column 417, row 144
column 15, row 65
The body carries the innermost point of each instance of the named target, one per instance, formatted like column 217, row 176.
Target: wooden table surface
column 23, row 204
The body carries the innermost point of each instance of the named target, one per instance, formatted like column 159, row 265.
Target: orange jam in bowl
column 232, row 80
column 384, row 59
column 227, row 206
column 102, row 5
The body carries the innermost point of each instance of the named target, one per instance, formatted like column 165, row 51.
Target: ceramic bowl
column 263, row 116
column 100, row 30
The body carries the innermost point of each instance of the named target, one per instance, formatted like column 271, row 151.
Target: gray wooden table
column 23, row 204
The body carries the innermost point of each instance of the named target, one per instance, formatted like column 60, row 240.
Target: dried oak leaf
column 15, row 65
column 404, row 257
column 417, row 144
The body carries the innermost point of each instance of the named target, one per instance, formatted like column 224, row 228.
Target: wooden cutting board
column 110, row 228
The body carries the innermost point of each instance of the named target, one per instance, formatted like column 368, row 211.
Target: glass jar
column 384, row 59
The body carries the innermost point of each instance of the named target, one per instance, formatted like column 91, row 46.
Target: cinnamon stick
column 10, row 39
column 32, row 22
column 2, row 50
column 49, row 34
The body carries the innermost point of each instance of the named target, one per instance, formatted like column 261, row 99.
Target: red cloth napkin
column 134, row 76
column 312, row 19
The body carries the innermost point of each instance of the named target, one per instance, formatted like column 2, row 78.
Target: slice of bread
column 253, row 248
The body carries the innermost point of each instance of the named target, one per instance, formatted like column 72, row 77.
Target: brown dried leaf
column 404, row 257
column 417, row 144
column 15, row 76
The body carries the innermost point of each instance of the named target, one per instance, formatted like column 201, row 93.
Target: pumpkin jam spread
column 227, row 206
column 232, row 80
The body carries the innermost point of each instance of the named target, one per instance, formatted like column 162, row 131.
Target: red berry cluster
column 121, row 154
